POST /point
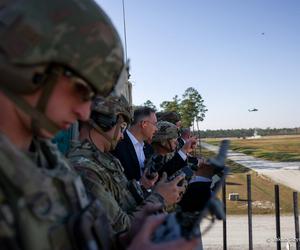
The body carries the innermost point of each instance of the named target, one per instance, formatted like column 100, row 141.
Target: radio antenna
column 124, row 26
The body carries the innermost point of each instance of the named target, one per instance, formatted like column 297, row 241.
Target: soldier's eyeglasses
column 80, row 86
column 123, row 126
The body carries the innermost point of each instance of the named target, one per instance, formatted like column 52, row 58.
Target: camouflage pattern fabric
column 40, row 200
column 104, row 178
column 165, row 131
column 77, row 34
column 113, row 105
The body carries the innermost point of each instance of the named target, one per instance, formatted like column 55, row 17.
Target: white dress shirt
column 139, row 150
column 182, row 155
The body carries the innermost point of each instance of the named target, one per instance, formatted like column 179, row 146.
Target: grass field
column 274, row 148
column 262, row 191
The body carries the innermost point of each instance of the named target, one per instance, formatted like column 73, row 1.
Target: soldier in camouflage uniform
column 175, row 118
column 164, row 138
column 164, row 142
column 103, row 173
column 54, row 56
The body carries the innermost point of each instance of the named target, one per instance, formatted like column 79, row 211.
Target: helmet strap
column 170, row 146
column 100, row 131
column 112, row 140
column 48, row 86
column 43, row 121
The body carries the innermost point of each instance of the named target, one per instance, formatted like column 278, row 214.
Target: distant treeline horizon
column 242, row 133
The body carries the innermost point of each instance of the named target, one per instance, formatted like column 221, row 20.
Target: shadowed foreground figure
column 54, row 56
column 47, row 82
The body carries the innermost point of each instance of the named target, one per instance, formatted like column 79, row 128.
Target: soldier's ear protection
column 104, row 121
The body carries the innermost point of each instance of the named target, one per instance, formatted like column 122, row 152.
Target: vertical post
column 193, row 132
column 277, row 215
column 124, row 26
column 199, row 137
column 249, row 199
column 224, row 221
column 296, row 218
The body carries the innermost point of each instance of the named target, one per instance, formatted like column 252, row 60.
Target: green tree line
column 190, row 107
column 241, row 133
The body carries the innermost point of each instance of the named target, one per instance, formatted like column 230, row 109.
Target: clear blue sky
column 238, row 54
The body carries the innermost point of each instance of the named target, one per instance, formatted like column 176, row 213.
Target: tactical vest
column 45, row 208
column 105, row 170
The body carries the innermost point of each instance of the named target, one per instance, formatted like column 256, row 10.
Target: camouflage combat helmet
column 106, row 114
column 169, row 116
column 165, row 131
column 105, row 111
column 77, row 35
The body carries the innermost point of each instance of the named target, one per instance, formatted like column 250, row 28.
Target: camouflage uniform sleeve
column 118, row 218
column 7, row 231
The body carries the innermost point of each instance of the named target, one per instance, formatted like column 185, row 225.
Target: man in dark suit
column 130, row 150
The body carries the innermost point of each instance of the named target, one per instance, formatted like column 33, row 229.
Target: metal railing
column 277, row 216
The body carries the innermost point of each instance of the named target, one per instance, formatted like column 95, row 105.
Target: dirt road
column 286, row 173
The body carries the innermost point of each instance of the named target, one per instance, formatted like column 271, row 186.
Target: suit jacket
column 172, row 165
column 125, row 152
column 180, row 142
column 196, row 196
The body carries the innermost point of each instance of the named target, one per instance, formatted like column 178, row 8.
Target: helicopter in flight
column 253, row 110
